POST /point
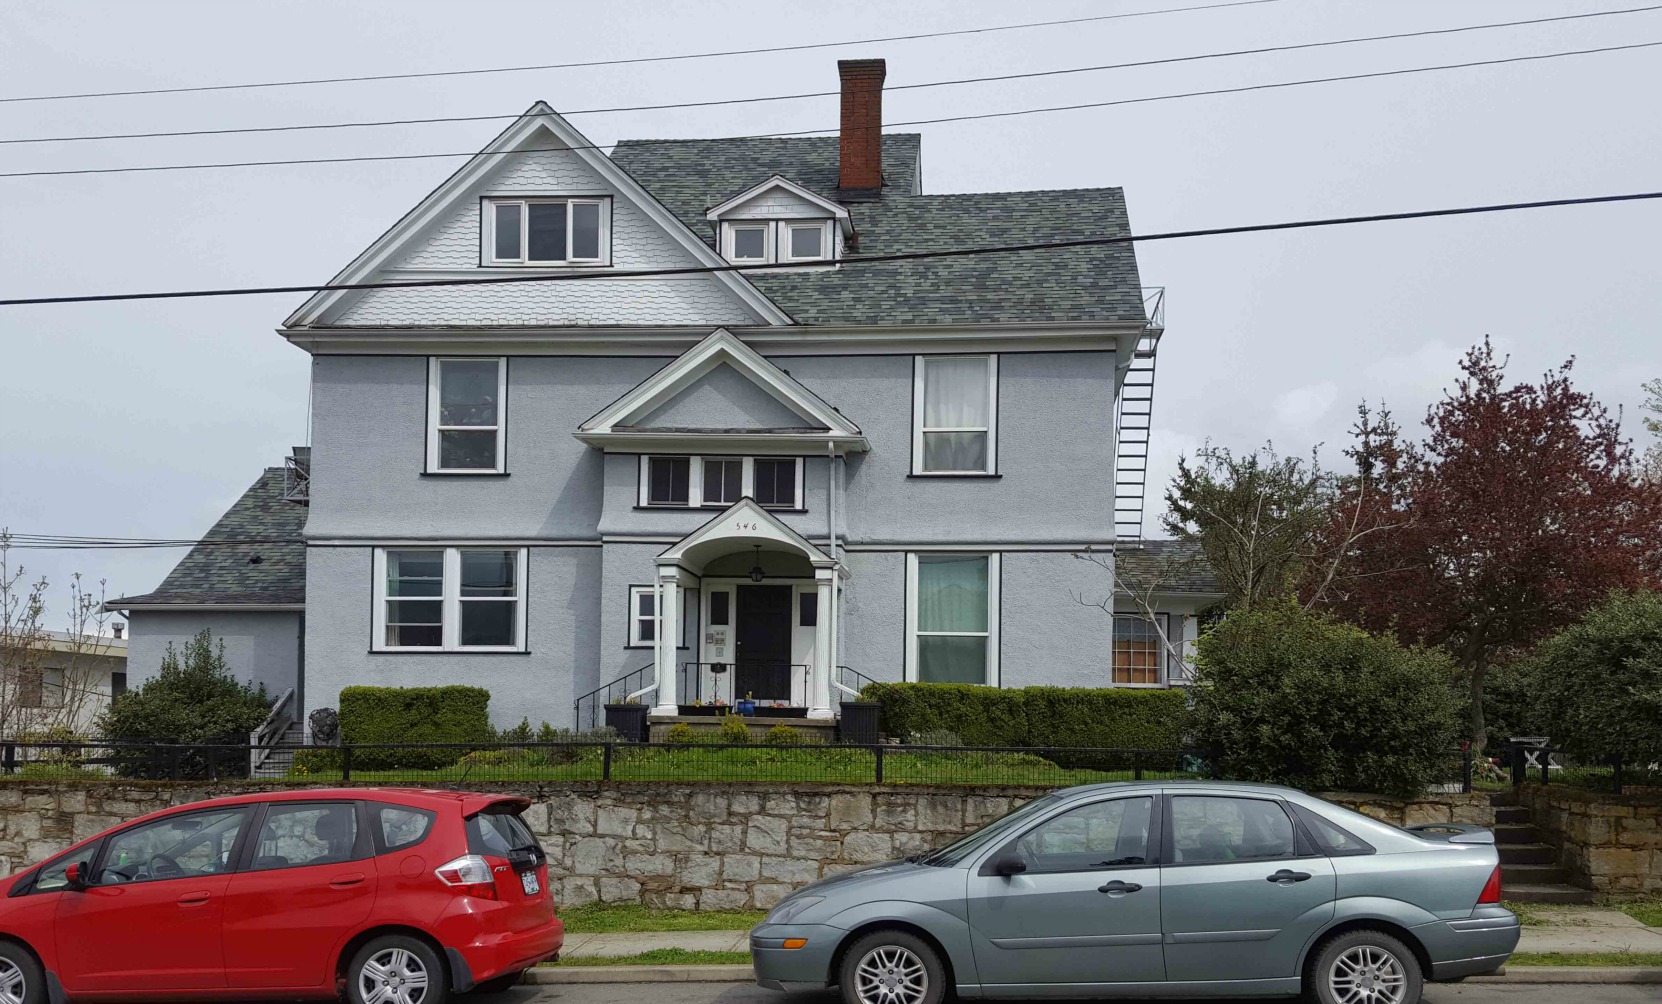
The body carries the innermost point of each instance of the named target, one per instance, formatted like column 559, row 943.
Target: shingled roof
column 1177, row 565
column 1078, row 284
column 266, row 565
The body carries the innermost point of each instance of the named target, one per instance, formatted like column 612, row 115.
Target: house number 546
column 746, row 526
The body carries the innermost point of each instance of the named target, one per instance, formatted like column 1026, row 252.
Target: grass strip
column 1586, row 959
column 1646, row 911
column 657, row 957
column 614, row 918
column 1528, row 915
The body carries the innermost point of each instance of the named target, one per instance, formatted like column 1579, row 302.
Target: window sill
column 1140, row 686
column 449, row 651
column 521, row 266
column 972, row 475
column 648, row 648
column 464, row 474
column 707, row 508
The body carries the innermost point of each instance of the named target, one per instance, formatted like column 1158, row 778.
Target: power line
column 814, row 132
column 845, row 262
column 633, row 60
column 450, row 119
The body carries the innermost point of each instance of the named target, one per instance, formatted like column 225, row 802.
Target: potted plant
column 747, row 706
column 628, row 717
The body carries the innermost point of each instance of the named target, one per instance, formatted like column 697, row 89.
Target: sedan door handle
column 193, row 898
column 1118, row 888
column 1284, row 876
column 342, row 881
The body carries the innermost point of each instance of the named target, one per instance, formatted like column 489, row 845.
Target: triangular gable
column 724, row 398
column 534, row 129
column 723, row 348
column 743, row 524
column 782, row 183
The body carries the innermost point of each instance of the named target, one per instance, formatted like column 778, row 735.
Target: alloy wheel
column 889, row 974
column 13, row 987
column 393, row 976
column 1368, row 974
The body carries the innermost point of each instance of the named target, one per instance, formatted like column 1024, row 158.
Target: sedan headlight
column 791, row 909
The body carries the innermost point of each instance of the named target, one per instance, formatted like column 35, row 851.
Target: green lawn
column 658, row 957
column 610, row 918
column 1529, row 915
column 1647, row 910
column 1586, row 959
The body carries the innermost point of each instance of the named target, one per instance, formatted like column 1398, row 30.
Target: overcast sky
column 149, row 419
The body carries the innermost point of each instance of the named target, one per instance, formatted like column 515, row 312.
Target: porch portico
column 766, row 619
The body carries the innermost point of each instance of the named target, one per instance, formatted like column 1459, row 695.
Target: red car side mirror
column 74, row 876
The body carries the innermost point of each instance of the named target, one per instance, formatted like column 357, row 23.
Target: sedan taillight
column 1491, row 889
column 469, row 875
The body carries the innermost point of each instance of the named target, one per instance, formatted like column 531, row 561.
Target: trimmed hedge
column 1035, row 716
column 370, row 715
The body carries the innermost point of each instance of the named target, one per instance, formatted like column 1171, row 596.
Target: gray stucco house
column 687, row 447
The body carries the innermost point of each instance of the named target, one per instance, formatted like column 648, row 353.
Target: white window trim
column 695, row 481
column 635, row 638
column 994, row 608
column 918, row 429
column 434, row 428
column 452, row 601
column 487, row 231
column 776, row 245
column 1164, row 662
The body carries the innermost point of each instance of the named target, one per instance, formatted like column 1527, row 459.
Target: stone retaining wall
column 685, row 846
column 1609, row 843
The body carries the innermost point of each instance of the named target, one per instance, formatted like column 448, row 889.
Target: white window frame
column 434, row 375
column 994, row 607
column 776, row 246
column 487, row 230
column 695, row 481
column 919, row 363
column 450, row 595
column 636, row 639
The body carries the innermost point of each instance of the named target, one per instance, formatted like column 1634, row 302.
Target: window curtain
column 955, row 396
column 952, row 597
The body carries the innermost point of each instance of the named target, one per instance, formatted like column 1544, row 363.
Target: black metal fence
column 1530, row 762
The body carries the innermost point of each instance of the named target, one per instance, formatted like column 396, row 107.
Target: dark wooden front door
column 763, row 667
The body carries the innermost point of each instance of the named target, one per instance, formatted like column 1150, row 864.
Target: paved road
column 734, row 993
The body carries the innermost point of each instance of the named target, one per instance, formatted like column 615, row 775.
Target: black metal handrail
column 607, row 693
column 851, row 691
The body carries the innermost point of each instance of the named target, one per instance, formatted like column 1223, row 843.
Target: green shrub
column 520, row 733
column 937, row 737
column 733, row 730
column 1296, row 698
column 496, row 758
column 371, row 715
column 681, row 734
column 1596, row 686
column 784, row 735
column 316, row 761
column 1032, row 716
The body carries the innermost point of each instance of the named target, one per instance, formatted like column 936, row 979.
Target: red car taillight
column 469, row 875
column 1491, row 889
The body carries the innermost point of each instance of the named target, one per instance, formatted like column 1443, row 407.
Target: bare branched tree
column 51, row 683
column 1140, row 585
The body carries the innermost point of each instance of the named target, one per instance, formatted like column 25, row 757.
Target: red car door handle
column 193, row 899
column 342, row 881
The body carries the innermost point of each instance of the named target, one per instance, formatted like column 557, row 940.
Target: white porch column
column 819, row 691
column 668, row 617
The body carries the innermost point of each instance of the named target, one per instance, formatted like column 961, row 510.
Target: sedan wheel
column 892, row 967
column 1364, row 967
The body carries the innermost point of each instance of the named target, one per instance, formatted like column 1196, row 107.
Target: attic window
column 546, row 231
column 772, row 241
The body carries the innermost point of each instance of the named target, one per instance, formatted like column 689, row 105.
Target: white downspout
column 832, row 622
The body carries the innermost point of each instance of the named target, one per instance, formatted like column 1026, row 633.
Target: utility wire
column 826, row 94
column 634, row 60
column 845, row 262
column 815, row 132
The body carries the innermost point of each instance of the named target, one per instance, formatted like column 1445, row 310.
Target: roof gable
column 445, row 214
column 780, row 198
column 744, row 524
column 724, row 398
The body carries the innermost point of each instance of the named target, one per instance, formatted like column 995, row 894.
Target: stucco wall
column 539, row 684
column 259, row 647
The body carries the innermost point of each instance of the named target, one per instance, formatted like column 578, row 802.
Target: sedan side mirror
column 74, row 877
column 1008, row 864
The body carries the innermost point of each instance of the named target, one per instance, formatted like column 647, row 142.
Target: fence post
column 212, row 755
column 606, row 762
column 1520, row 773
column 1136, row 767
column 1616, row 773
column 155, row 765
column 878, row 749
column 345, row 762
column 1466, row 768
column 11, row 758
column 1546, row 765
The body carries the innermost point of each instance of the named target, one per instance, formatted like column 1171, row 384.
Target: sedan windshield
column 963, row 847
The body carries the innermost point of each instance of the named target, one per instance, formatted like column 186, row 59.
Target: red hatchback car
column 390, row 896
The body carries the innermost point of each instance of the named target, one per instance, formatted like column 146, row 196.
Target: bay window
column 450, row 599
column 952, row 613
column 708, row 482
column 465, row 415
column 955, row 415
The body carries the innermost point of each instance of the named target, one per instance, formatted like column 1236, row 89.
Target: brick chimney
column 860, row 168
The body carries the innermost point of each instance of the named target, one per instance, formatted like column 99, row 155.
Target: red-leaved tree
column 1521, row 510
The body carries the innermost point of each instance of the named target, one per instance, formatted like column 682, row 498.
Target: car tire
column 21, row 978
column 1373, row 958
column 398, row 958
column 507, row 981
column 892, row 956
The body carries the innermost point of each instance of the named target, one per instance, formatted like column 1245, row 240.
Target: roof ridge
column 749, row 139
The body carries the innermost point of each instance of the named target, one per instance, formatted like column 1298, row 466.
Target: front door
column 1086, row 910
column 762, row 667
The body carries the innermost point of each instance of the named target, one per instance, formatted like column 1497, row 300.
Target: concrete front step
column 1512, row 815
column 1514, row 833
column 1543, row 893
column 1543, row 874
column 1527, row 854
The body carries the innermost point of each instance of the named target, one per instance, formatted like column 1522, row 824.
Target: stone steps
column 1533, row 875
column 1512, row 815
column 1544, row 893
column 1529, row 869
column 1513, row 833
column 1526, row 854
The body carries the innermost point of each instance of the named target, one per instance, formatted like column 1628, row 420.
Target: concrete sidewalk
column 634, row 943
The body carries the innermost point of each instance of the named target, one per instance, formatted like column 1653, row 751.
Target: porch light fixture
column 756, row 573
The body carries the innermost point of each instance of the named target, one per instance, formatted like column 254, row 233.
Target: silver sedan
column 1157, row 889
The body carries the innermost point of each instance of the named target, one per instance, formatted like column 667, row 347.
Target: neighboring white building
column 66, row 682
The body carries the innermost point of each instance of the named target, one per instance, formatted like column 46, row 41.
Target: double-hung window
column 450, row 599
column 709, row 482
column 1140, row 659
column 955, row 415
column 952, row 618
column 465, row 415
column 547, row 231
column 764, row 242
column 643, row 616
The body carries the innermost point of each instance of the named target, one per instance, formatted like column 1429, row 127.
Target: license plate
column 528, row 880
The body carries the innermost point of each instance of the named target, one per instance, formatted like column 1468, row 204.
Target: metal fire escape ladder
column 1133, row 420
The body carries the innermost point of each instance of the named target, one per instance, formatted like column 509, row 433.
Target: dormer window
column 546, row 231
column 760, row 243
